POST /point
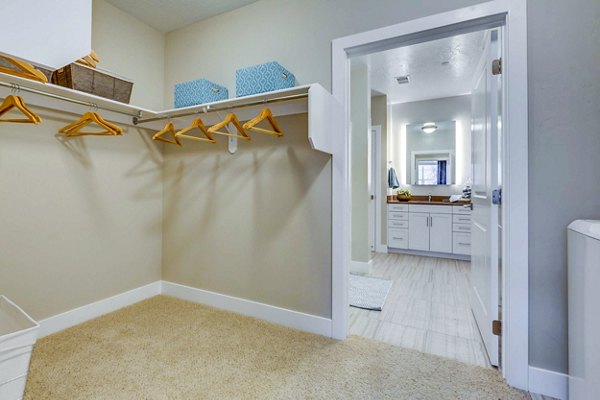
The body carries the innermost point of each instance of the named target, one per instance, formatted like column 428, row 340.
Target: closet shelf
column 323, row 109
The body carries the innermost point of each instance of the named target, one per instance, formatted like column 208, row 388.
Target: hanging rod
column 19, row 88
column 208, row 108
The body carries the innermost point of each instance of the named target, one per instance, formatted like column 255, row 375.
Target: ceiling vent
column 402, row 79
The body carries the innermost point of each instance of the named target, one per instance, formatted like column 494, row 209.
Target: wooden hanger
column 169, row 128
column 75, row 128
column 24, row 70
column 15, row 102
column 268, row 115
column 197, row 123
column 230, row 119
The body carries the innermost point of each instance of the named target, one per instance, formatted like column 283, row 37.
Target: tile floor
column 427, row 308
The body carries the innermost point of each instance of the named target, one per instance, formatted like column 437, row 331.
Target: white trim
column 548, row 383
column 84, row 313
column 515, row 347
column 360, row 267
column 277, row 315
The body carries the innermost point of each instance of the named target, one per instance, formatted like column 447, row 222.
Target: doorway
column 510, row 17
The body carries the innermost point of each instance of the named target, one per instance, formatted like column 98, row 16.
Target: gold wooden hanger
column 268, row 115
column 24, row 70
column 197, row 123
column 75, row 128
column 230, row 119
column 15, row 102
column 169, row 128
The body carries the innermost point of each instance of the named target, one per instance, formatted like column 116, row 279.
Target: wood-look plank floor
column 427, row 308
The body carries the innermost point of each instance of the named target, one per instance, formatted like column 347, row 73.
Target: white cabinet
column 437, row 229
column 430, row 232
column 440, row 233
column 418, row 231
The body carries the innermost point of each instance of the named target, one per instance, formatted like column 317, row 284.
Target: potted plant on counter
column 403, row 194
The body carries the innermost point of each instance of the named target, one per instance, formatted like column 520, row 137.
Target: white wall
column 457, row 109
column 361, row 121
column 130, row 48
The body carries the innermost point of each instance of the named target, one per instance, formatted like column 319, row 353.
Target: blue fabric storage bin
column 199, row 91
column 262, row 78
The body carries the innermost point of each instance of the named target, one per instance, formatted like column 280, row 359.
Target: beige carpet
column 165, row 348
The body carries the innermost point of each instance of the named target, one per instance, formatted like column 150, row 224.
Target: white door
column 418, row 231
column 484, row 295
column 440, row 233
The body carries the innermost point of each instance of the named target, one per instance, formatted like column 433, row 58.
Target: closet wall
column 81, row 218
column 254, row 225
column 379, row 116
column 133, row 49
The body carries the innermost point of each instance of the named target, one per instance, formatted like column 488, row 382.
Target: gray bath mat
column 368, row 293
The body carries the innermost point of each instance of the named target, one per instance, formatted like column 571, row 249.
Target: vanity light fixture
column 429, row 127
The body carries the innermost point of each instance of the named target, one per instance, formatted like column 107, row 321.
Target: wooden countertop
column 435, row 201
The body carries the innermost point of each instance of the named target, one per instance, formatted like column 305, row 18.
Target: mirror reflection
column 430, row 153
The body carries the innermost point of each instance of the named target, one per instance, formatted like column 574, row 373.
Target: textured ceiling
column 168, row 15
column 439, row 68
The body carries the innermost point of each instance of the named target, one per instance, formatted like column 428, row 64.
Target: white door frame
column 511, row 13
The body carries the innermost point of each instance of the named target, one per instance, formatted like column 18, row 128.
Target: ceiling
column 439, row 68
column 168, row 15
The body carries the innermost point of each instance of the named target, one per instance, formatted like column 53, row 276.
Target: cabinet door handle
column 431, row 223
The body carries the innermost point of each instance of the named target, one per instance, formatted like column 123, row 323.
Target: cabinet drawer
column 461, row 210
column 398, row 223
column 461, row 219
column 422, row 208
column 461, row 243
column 398, row 207
column 398, row 238
column 397, row 215
column 462, row 228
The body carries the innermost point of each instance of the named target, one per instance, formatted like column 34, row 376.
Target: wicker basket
column 93, row 81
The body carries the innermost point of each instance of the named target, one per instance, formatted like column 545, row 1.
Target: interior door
column 484, row 296
column 440, row 233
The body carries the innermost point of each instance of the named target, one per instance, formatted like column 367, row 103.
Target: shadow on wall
column 233, row 223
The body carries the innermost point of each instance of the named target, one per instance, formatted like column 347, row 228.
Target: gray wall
column 564, row 140
column 379, row 116
column 360, row 103
column 565, row 116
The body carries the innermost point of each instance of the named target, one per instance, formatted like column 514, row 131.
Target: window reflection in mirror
column 430, row 154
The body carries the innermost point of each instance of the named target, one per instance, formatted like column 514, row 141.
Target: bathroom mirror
column 430, row 153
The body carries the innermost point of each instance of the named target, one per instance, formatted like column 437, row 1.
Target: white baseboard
column 548, row 383
column 90, row 311
column 360, row 267
column 281, row 316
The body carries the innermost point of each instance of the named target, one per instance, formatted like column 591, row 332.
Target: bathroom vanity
column 431, row 228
